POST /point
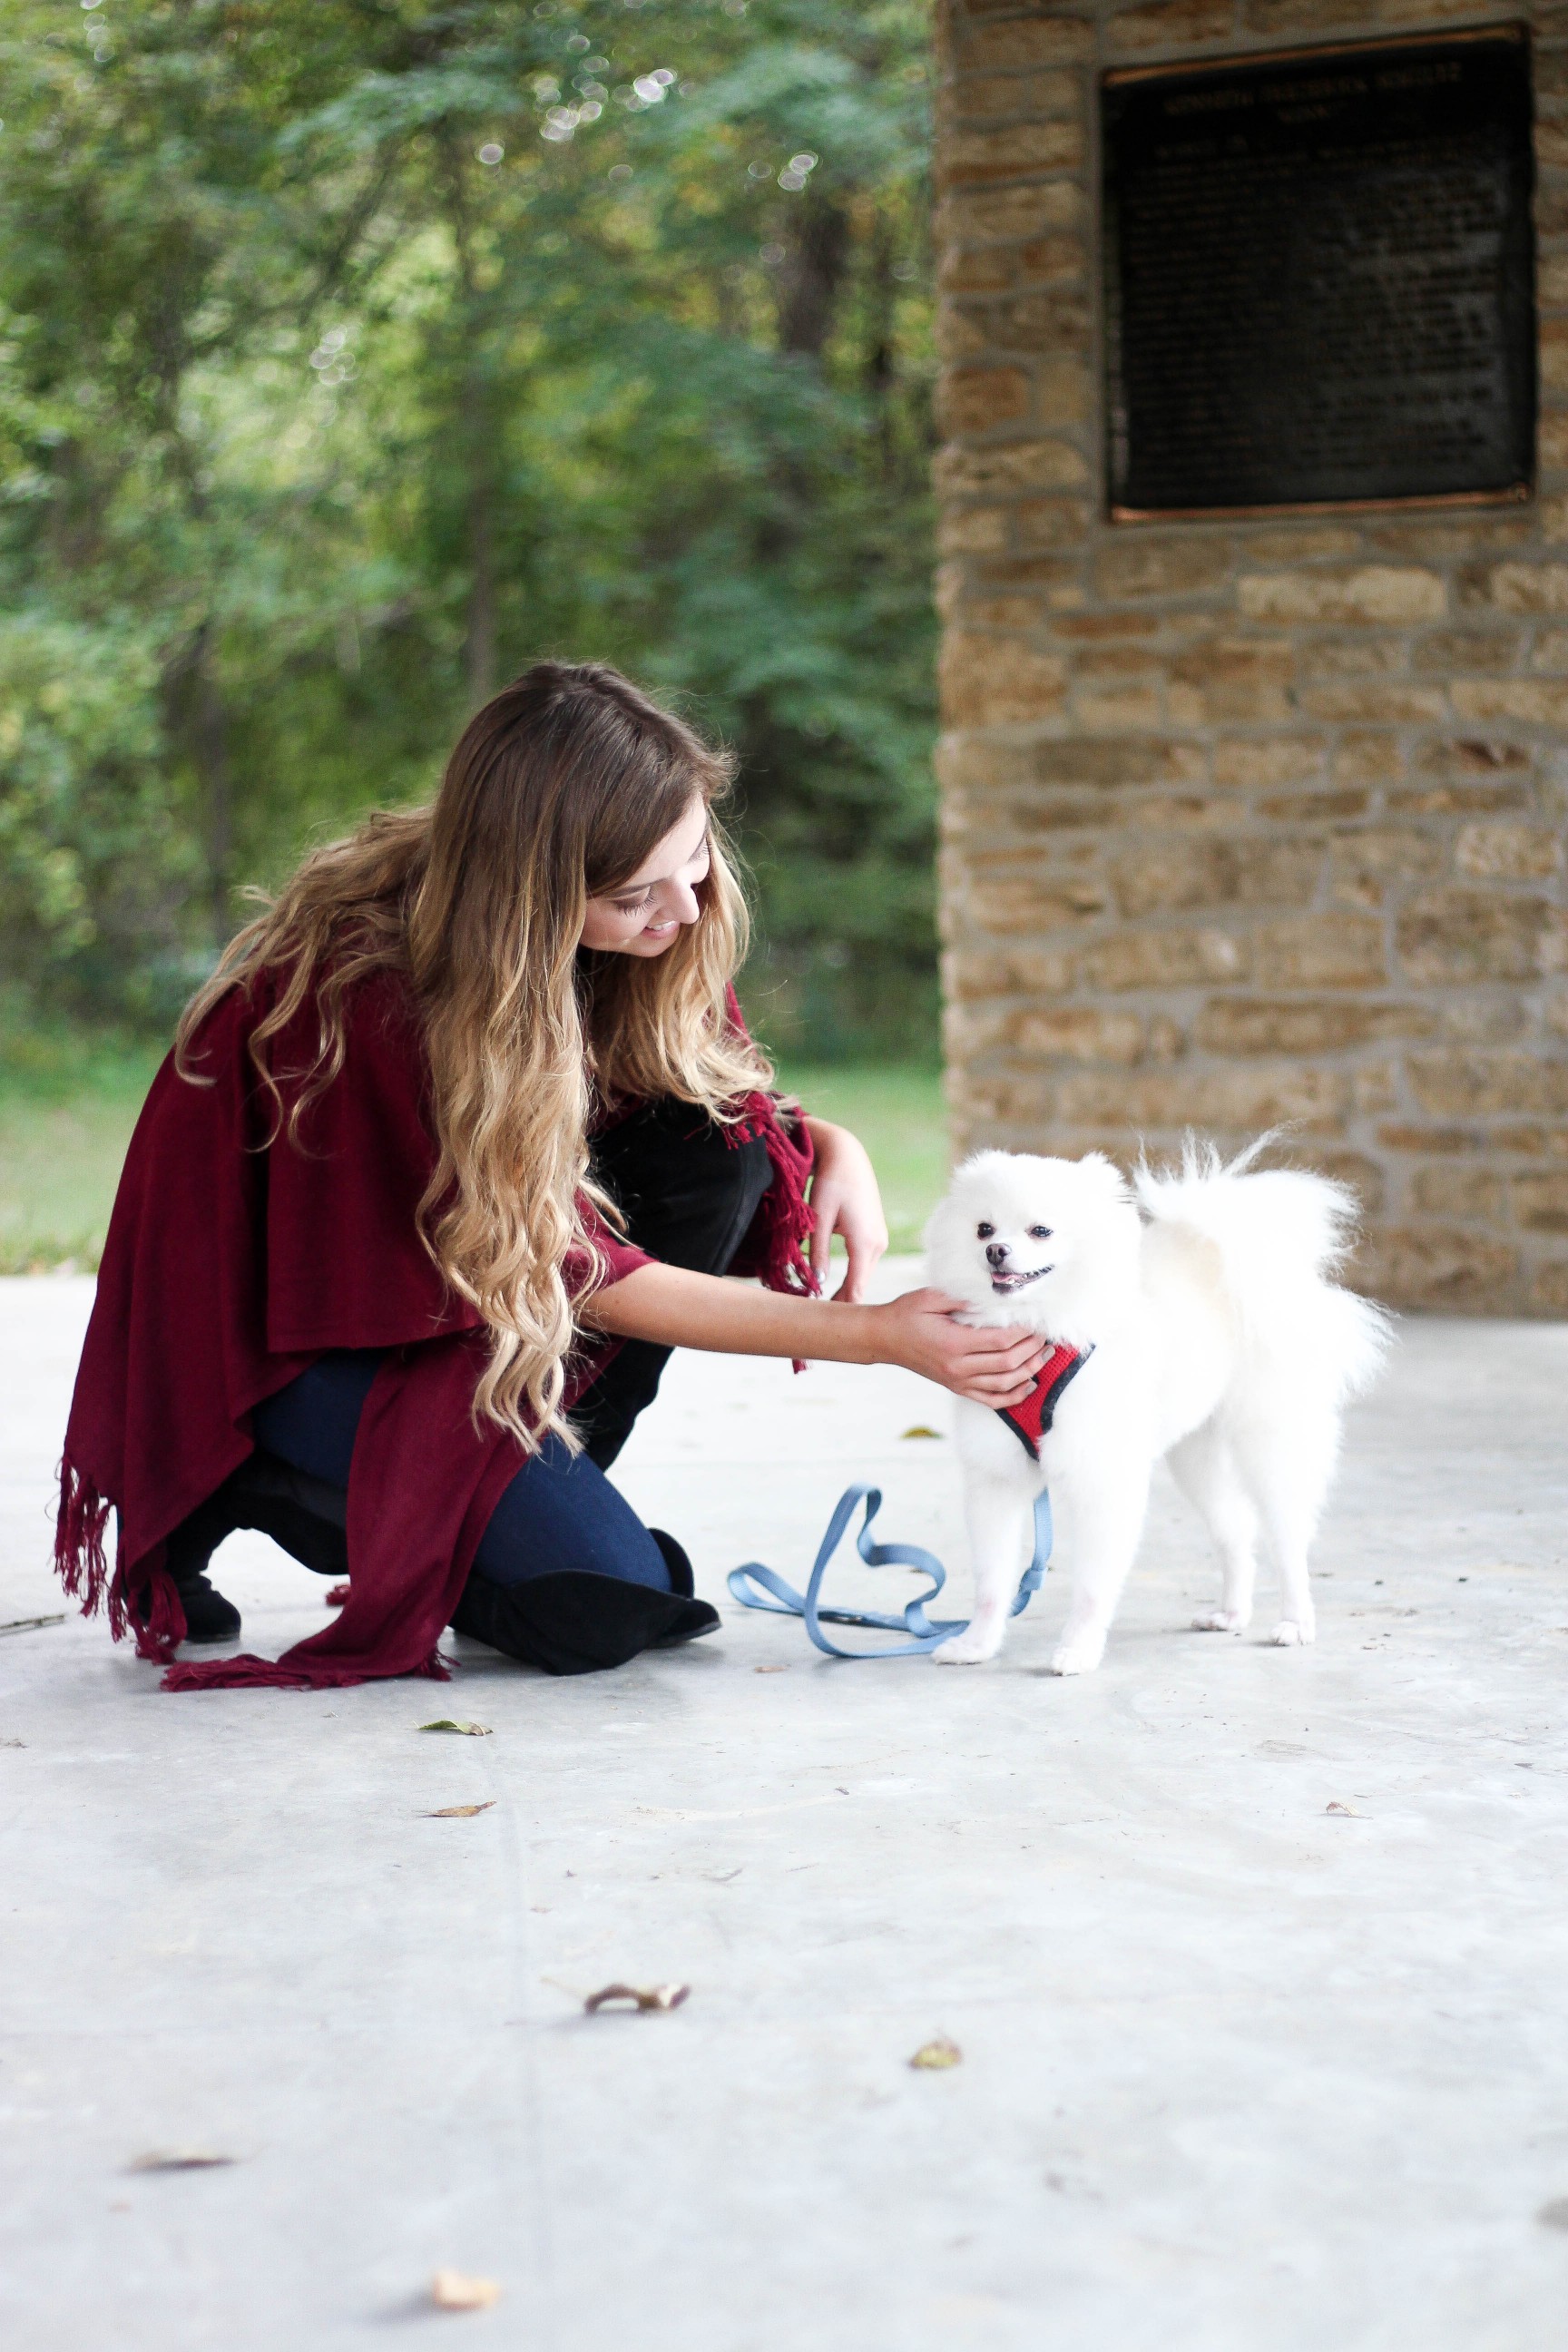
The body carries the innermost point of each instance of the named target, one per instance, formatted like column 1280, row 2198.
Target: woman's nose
column 683, row 907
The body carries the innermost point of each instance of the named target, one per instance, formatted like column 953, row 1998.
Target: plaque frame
column 1124, row 77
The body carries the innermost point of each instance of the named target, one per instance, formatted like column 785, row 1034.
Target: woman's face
column 645, row 915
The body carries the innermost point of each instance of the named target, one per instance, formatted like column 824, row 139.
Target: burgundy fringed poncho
column 233, row 1261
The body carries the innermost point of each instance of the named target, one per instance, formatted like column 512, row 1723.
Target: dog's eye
column 984, row 1233
column 1039, row 1232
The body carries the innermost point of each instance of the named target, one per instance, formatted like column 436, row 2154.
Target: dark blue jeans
column 558, row 1516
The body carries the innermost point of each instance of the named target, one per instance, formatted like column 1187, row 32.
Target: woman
column 451, row 1150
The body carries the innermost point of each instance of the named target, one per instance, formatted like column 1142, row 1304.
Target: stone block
column 1475, row 1086
column 1376, row 706
column 971, row 156
column 1163, row 960
column 1240, row 872
column 1388, row 594
column 1268, row 760
column 1339, row 660
column 1367, row 758
column 1531, row 702
column 1049, row 260
column 1008, row 892
column 1436, row 1266
column 1048, row 523
column 1540, row 1203
column 1449, row 651
column 1315, row 808
column 1107, row 709
column 1455, row 800
column 998, row 682
column 1127, row 761
column 1232, row 677
column 1296, row 542
column 979, row 270
column 1333, row 950
column 1549, row 1289
column 961, row 330
column 978, row 530
column 1457, row 1190
column 978, row 400
column 1512, row 853
column 1022, row 43
column 1516, row 587
column 1488, row 1017
column 1076, row 1033
column 1549, row 654
column 1531, row 1142
column 969, row 975
column 1007, row 1102
column 1458, row 935
column 1402, row 1137
column 1006, row 216
column 1240, row 1100
column 1138, row 566
column 1368, row 868
column 1294, row 1024
column 1271, row 17
column 1172, row 24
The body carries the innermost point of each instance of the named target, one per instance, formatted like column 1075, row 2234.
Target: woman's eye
column 984, row 1233
column 633, row 906
column 1039, row 1232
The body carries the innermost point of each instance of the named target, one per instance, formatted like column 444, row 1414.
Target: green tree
column 352, row 354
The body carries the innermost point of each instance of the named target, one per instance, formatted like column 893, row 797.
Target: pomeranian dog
column 1192, row 1315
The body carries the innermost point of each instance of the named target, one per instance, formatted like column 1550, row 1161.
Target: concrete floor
column 1237, row 2071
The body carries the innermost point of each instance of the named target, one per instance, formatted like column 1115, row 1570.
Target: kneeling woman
column 451, row 1150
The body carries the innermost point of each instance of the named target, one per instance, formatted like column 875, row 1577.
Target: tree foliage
column 353, row 353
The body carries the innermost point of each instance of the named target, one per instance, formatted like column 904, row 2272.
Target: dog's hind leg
column 1286, row 1466
column 1204, row 1469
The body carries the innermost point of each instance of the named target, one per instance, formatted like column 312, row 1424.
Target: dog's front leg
column 996, row 1509
column 1101, row 1509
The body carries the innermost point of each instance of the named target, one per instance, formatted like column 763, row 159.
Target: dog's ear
column 1106, row 1176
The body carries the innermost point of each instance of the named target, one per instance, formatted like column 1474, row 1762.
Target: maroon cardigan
column 235, row 1258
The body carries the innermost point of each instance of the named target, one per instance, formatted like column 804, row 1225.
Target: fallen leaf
column 722, row 1877
column 933, row 2057
column 459, row 1812
column 770, row 1670
column 336, row 1595
column 13, row 1743
column 178, row 2159
column 468, row 1730
column 31, row 1624
column 453, row 2290
column 1554, row 2215
column 1337, row 1808
column 669, row 1996
column 918, row 1429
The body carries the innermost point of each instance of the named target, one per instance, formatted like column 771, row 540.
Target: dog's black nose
column 996, row 1254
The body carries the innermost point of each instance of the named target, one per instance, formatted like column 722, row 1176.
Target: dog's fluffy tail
column 1281, row 1235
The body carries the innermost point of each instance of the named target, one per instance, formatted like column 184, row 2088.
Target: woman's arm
column 845, row 1199
column 701, row 1310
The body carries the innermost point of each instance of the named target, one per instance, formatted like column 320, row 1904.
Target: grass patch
column 899, row 1116
column 69, row 1102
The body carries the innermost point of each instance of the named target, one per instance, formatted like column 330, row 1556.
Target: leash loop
column 751, row 1583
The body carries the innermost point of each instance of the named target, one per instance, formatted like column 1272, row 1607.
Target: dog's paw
column 1220, row 1621
column 1078, row 1658
column 1289, row 1635
column 971, row 1649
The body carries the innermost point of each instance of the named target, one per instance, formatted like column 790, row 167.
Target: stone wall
column 1243, row 821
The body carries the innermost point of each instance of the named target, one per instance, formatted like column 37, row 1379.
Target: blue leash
column 924, row 1633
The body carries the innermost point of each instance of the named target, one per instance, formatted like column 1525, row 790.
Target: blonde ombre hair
column 557, row 792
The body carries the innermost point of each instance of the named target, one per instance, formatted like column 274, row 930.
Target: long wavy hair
column 557, row 792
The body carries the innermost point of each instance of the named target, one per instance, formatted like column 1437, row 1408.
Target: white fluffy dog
column 1194, row 1317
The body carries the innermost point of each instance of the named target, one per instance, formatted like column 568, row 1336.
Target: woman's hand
column 990, row 1367
column 845, row 1200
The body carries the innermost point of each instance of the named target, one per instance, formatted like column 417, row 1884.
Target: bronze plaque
column 1319, row 277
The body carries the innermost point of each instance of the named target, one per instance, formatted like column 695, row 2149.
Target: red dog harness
column 1029, row 1420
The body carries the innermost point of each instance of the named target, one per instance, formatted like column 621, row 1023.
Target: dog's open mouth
column 1004, row 1283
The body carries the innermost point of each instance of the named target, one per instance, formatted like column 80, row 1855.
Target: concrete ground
column 1241, row 2072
